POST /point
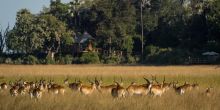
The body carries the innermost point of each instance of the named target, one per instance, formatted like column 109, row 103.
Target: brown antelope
column 73, row 86
column 208, row 92
column 36, row 93
column 14, row 90
column 24, row 88
column 182, row 89
column 119, row 91
column 87, row 90
column 166, row 86
column 104, row 89
column 56, row 89
column 195, row 86
column 134, row 89
column 156, row 89
column 3, row 86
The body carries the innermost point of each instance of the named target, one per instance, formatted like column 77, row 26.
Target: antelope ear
column 121, row 84
column 133, row 83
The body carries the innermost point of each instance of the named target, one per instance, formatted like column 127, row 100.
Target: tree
column 20, row 38
column 59, row 10
column 54, row 34
column 2, row 39
column 117, row 24
column 213, row 19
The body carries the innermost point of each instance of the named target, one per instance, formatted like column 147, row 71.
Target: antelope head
column 66, row 81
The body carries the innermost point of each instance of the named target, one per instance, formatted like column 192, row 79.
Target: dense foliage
column 173, row 30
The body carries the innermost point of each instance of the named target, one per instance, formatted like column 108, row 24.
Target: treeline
column 173, row 31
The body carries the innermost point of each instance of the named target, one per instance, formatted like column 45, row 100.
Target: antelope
column 14, row 90
column 195, row 86
column 36, row 93
column 182, row 89
column 166, row 86
column 73, row 86
column 134, row 89
column 24, row 88
column 208, row 92
column 156, row 89
column 3, row 86
column 56, row 89
column 119, row 91
column 104, row 89
column 87, row 90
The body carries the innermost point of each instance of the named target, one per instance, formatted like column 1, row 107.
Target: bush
column 18, row 61
column 112, row 60
column 128, row 59
column 49, row 60
column 8, row 61
column 76, row 60
column 68, row 59
column 159, row 55
column 154, row 54
column 89, row 58
column 2, row 60
column 31, row 60
column 41, row 61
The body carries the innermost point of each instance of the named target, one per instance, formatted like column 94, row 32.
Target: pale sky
column 9, row 8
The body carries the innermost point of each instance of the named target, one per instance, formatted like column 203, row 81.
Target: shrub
column 128, row 59
column 49, row 60
column 18, row 61
column 68, row 59
column 30, row 59
column 159, row 55
column 89, row 58
column 8, row 61
column 41, row 61
column 76, row 60
column 154, row 54
column 112, row 59
column 2, row 60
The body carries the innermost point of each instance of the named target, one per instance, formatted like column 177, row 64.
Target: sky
column 9, row 8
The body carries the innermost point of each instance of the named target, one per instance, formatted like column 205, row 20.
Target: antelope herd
column 151, row 87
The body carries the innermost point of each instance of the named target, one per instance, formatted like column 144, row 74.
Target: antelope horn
column 101, row 78
column 121, row 79
column 155, row 79
column 114, row 79
column 146, row 80
column 163, row 79
column 96, row 81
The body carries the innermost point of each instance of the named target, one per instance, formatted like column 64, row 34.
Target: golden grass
column 8, row 70
column 206, row 76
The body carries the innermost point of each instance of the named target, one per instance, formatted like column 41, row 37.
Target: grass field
column 206, row 76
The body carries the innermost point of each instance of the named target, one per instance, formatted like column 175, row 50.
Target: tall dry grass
column 76, row 101
column 206, row 76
